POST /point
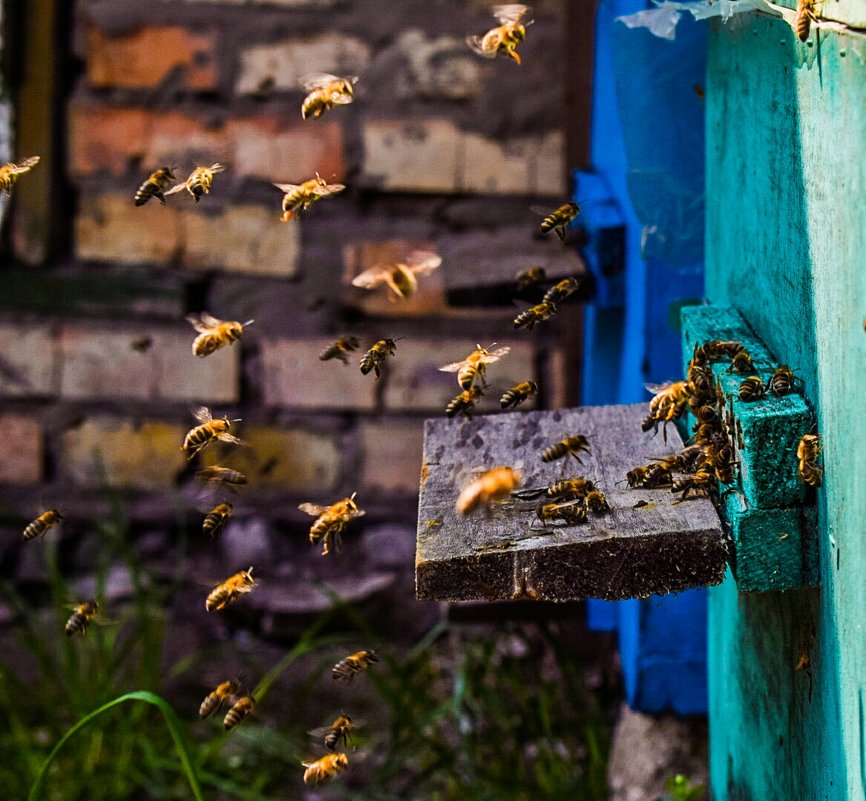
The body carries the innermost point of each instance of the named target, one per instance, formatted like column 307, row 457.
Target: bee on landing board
column 340, row 349
column 209, row 430
column 10, row 173
column 782, row 381
column 596, row 502
column 221, row 694
column 216, row 519
column 494, row 485
column 325, row 768
column 299, row 197
column 213, row 334
column 337, row 733
column 518, row 394
column 400, row 278
column 701, row 482
column 330, row 521
column 199, row 181
column 650, row 476
column 323, row 91
column 81, row 618
column 503, row 39
column 230, row 590
column 154, row 186
column 346, row 669
column 568, row 446
column 241, row 707
column 559, row 219
column 573, row 512
column 751, row 389
column 373, row 358
column 41, row 524
column 474, row 366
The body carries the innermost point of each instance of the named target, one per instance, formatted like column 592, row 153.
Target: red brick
column 102, row 138
column 20, row 450
column 144, row 58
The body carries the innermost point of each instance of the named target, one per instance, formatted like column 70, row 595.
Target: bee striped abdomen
column 241, row 708
column 569, row 446
column 751, row 389
column 518, row 394
column 154, row 186
column 42, row 523
column 216, row 519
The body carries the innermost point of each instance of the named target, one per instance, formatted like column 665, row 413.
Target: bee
column 530, row 277
column 199, row 181
column 503, row 39
column 324, row 91
column 722, row 462
column 474, row 366
column 230, row 590
column 218, row 697
column 81, row 617
column 559, row 219
column 702, row 481
column 650, row 476
column 213, row 334
column 567, row 489
column 374, row 357
column 596, row 501
column 808, row 450
column 10, row 173
column 572, row 512
column 518, row 394
column 741, row 363
column 325, row 768
column 700, row 378
column 782, row 381
column 299, row 197
column 346, row 669
column 41, row 524
column 751, row 389
column 717, row 349
column 704, row 412
column 216, row 474
column 239, row 709
column 561, row 290
column 494, row 485
column 337, row 733
column 156, row 183
column 569, row 446
column 400, row 278
column 216, row 519
column 530, row 317
column 464, row 403
column 806, row 15
column 142, row 344
column 330, row 521
column 682, row 462
column 340, row 349
column 210, row 429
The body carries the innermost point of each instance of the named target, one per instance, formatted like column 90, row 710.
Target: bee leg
column 560, row 232
column 512, row 53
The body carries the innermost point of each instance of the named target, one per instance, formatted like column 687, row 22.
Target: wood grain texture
column 627, row 553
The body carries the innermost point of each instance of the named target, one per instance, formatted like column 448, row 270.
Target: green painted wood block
column 768, row 430
column 774, row 549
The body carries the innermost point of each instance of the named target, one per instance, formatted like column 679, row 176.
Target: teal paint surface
column 786, row 244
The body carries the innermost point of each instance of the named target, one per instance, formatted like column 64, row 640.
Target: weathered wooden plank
column 629, row 552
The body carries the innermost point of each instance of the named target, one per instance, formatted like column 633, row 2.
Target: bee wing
column 370, row 279
column 496, row 355
column 341, row 98
column 316, row 80
column 226, row 437
column 453, row 367
column 202, row 414
column 567, row 504
column 176, row 188
column 328, row 189
column 203, row 323
column 513, row 12
column 656, row 389
column 313, row 509
column 475, row 43
column 24, row 166
column 217, row 167
column 542, row 210
column 423, row 262
column 287, row 187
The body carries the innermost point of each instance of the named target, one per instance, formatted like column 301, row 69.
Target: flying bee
column 216, row 519
column 561, row 290
column 596, row 501
column 337, row 733
column 464, row 403
column 808, row 450
column 751, row 389
column 346, row 669
column 530, row 317
column 325, row 768
column 400, row 278
column 156, row 183
column 214, row 700
column 530, row 277
column 650, row 476
column 216, row 474
column 41, row 524
column 210, row 429
column 373, row 358
column 330, row 521
column 806, row 15
column 340, row 349
column 572, row 512
column 493, row 485
column 213, row 334
column 700, row 482
column 518, row 394
column 559, row 219
column 230, row 590
column 10, row 173
column 199, row 181
column 474, row 366
column 782, row 381
column 741, row 363
column 324, row 91
column 81, row 618
column 569, row 446
column 142, row 344
column 240, row 708
column 299, row 197
column 503, row 39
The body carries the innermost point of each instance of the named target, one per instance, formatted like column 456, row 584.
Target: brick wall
column 441, row 149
